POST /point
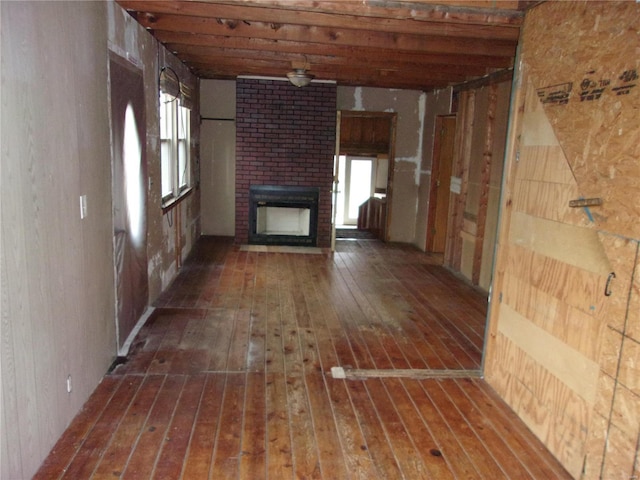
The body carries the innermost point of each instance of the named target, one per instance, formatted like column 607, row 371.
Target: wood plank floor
column 230, row 377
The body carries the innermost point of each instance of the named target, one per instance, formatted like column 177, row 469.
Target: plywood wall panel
column 629, row 375
column 574, row 246
column 541, row 199
column 489, row 243
column 595, row 60
column 545, row 163
column 572, row 286
column 554, row 262
column 633, row 321
column 617, row 461
column 574, row 371
column 544, row 407
column 550, row 182
column 621, row 253
column 578, row 329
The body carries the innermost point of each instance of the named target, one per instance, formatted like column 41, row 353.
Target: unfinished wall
column 437, row 103
column 564, row 338
column 171, row 233
column 410, row 107
column 481, row 129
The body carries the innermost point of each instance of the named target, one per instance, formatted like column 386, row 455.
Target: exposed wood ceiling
column 420, row 44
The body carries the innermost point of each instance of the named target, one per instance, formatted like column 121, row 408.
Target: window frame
column 175, row 149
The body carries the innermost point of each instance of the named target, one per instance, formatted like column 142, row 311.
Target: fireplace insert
column 283, row 215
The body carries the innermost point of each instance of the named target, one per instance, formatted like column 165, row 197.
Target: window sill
column 173, row 202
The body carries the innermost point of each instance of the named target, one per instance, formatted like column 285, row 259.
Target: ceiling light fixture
column 299, row 77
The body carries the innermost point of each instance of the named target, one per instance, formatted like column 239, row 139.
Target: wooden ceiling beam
column 473, row 12
column 281, row 16
column 198, row 54
column 329, row 36
column 354, row 75
column 218, row 72
column 414, row 44
column 180, row 41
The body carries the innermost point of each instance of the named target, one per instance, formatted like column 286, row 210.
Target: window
column 175, row 131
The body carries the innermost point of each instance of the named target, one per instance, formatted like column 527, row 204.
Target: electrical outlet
column 83, row 207
column 69, row 383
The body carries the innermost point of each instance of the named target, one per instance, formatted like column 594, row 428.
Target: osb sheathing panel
column 583, row 59
column 559, row 338
column 554, row 262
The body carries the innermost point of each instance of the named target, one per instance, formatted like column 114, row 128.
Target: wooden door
column 440, row 184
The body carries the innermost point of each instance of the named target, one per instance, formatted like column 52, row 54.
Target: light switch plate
column 83, row 206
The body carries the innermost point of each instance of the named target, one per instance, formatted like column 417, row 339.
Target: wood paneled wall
column 57, row 269
column 563, row 347
column 58, row 317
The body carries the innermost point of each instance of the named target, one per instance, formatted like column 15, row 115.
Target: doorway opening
column 363, row 174
column 357, row 175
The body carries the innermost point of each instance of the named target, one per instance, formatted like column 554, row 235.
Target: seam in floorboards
column 415, row 374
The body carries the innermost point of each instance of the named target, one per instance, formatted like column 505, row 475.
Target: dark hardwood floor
column 231, row 377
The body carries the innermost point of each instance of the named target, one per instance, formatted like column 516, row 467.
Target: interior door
column 129, row 187
column 440, row 184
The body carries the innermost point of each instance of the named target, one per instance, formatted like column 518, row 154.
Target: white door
column 358, row 184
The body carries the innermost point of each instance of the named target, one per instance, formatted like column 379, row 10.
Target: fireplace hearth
column 283, row 215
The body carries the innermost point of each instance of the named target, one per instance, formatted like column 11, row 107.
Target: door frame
column 390, row 152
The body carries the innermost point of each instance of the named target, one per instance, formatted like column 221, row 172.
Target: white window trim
column 180, row 182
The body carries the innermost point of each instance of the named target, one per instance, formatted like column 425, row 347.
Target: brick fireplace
column 285, row 136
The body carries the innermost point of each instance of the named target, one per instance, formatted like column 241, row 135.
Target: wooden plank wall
column 563, row 345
